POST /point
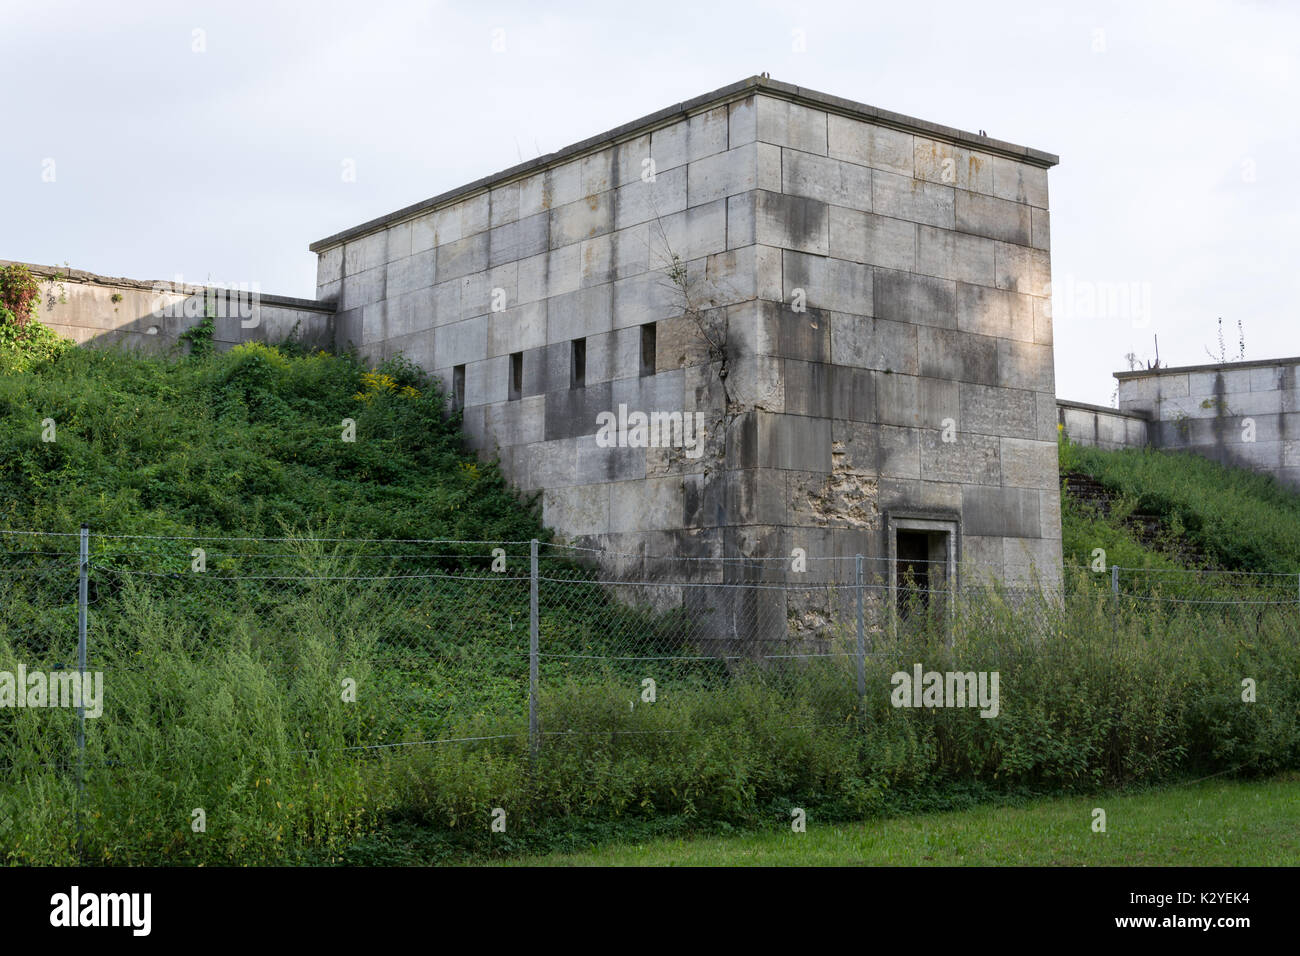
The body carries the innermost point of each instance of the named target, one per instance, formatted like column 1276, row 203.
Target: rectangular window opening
column 648, row 349
column 578, row 367
column 458, row 388
column 516, row 376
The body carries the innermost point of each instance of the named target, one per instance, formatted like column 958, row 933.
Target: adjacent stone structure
column 852, row 302
column 1240, row 413
column 150, row 316
column 1100, row 427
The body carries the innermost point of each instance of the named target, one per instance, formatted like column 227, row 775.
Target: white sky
column 1176, row 125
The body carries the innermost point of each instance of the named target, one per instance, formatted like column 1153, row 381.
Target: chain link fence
column 440, row 643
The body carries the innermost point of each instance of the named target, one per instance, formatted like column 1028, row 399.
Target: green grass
column 1241, row 520
column 1212, row 823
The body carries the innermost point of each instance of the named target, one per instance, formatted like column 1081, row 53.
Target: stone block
column 971, row 459
column 691, row 234
column 517, row 329
column 875, row 240
column 792, row 222
column 1040, row 221
column 998, row 411
column 727, row 173
column 915, row 200
column 688, row 140
column 649, row 505
column 1019, row 182
column 992, row 218
column 1009, row 512
column 1030, row 464
column 518, row 239
column 578, row 510
column 398, row 245
column 503, row 205
column 831, row 284
column 365, row 253
column 462, row 257
column 329, row 266
column 957, row 356
column 550, row 189
column 409, row 313
column 363, row 288
column 407, row 275
column 953, row 255
column 1021, row 269
column 986, row 311
column 949, row 165
column 827, row 180
column 868, row 145
column 486, row 382
column 576, row 221
column 783, row 123
column 874, row 344
column 461, row 342
column 637, row 201
column 921, row 300
column 423, row 235
column 1026, row 365
column 576, row 315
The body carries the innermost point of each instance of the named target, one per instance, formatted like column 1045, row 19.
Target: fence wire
column 448, row 643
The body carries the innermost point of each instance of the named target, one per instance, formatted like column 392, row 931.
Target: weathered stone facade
column 1240, row 413
column 855, row 303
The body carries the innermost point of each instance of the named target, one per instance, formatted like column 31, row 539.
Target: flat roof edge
column 148, row 285
column 1089, row 407
column 1208, row 367
column 718, row 97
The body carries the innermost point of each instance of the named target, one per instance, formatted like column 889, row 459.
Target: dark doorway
column 913, row 570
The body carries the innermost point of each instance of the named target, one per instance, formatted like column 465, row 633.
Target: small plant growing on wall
column 116, row 297
column 19, row 292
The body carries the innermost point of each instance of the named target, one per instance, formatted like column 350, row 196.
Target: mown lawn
column 1213, row 823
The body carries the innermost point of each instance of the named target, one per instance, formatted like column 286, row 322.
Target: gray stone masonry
column 868, row 282
column 1240, row 413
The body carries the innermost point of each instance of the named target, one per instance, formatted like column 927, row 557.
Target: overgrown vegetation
column 224, row 689
column 1240, row 519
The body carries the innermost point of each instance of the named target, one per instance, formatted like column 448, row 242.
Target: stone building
column 853, row 304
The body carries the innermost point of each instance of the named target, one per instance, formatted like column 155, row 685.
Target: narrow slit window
column 458, row 388
column 578, row 367
column 648, row 349
column 516, row 376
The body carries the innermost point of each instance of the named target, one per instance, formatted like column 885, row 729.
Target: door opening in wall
column 923, row 563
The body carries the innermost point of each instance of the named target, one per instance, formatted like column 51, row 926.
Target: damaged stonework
column 856, row 301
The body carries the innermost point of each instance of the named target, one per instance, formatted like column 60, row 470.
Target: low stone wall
column 151, row 315
column 1240, row 413
column 1100, row 427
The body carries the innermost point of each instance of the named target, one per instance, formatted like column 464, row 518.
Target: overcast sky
column 219, row 154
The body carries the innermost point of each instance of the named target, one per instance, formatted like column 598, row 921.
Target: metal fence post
column 83, row 575
column 532, row 648
column 862, row 641
column 1114, row 582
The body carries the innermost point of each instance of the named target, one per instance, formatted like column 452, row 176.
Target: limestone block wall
column 852, row 302
column 1097, row 426
column 151, row 315
column 1241, row 413
column 909, row 353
